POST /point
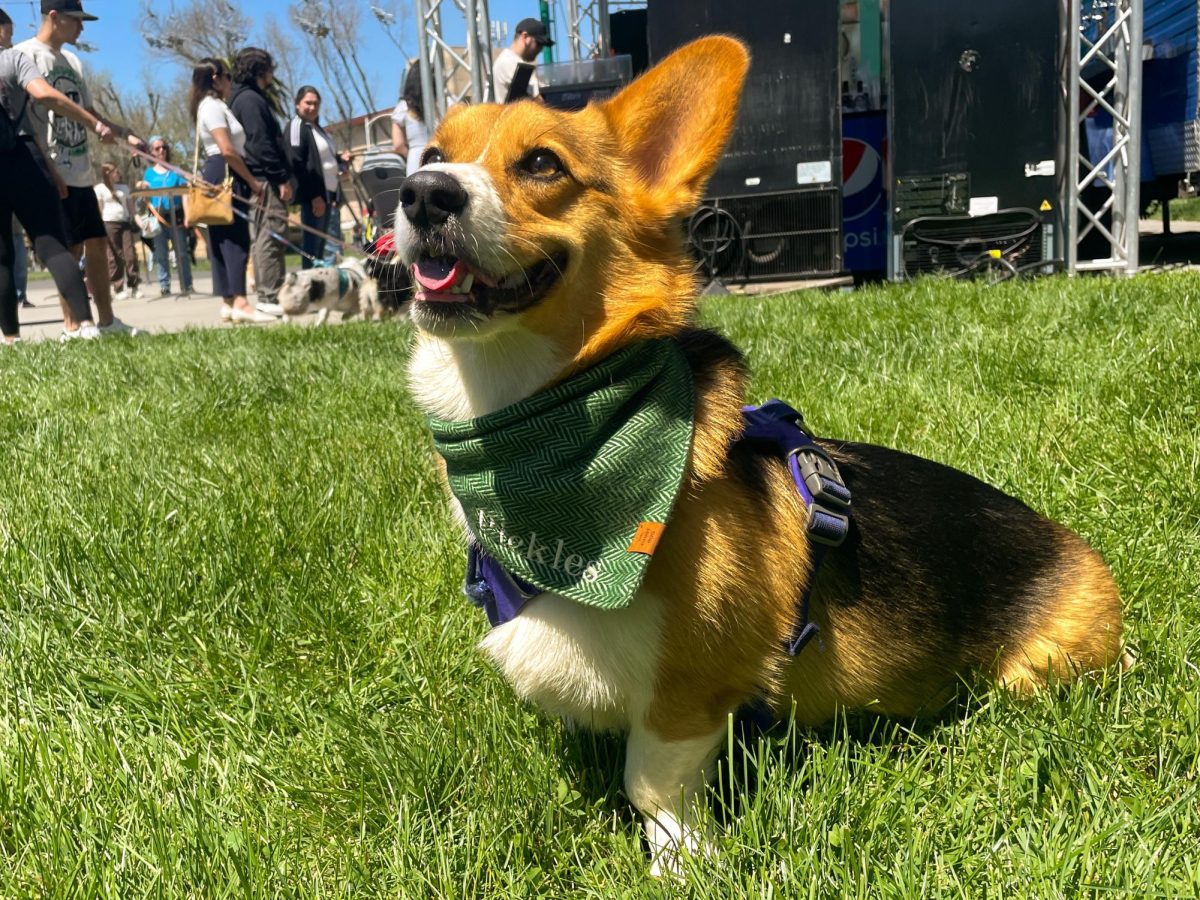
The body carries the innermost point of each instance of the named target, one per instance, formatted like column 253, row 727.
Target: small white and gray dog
column 345, row 288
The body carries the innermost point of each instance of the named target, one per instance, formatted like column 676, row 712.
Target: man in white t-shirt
column 528, row 40
column 66, row 144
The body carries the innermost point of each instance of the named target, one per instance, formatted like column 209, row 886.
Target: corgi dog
column 542, row 243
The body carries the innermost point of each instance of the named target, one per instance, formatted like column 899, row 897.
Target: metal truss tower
column 588, row 33
column 587, row 28
column 452, row 74
column 1103, row 72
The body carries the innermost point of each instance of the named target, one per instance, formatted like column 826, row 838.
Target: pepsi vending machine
column 865, row 208
column 864, row 194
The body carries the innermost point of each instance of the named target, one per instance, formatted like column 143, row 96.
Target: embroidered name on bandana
column 571, row 488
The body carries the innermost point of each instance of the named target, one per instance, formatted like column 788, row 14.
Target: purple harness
column 502, row 596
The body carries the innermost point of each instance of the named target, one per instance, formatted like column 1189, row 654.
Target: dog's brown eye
column 542, row 163
column 432, row 155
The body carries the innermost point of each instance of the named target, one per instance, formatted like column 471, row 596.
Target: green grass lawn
column 236, row 663
column 1187, row 209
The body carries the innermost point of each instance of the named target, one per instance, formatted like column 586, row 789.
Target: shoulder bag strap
column 196, row 152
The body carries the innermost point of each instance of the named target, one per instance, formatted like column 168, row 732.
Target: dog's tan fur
column 719, row 599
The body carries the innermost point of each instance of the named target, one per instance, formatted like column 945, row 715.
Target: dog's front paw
column 671, row 842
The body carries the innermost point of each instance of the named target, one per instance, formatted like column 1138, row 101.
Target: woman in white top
column 410, row 134
column 224, row 143
column 123, row 267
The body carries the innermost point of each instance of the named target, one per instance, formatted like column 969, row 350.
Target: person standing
column 224, row 141
column 168, row 209
column 266, row 157
column 117, row 214
column 316, row 168
column 28, row 191
column 410, row 134
column 67, row 145
column 528, row 40
column 20, row 265
column 21, row 256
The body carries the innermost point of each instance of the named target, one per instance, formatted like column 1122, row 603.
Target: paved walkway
column 151, row 313
column 154, row 315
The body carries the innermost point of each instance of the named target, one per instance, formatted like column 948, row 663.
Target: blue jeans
column 334, row 231
column 313, row 244
column 20, row 261
column 177, row 236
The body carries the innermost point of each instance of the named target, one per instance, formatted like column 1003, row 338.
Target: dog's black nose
column 430, row 198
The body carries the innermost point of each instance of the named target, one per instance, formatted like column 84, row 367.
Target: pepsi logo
column 862, row 178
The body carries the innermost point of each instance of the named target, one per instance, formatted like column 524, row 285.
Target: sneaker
column 226, row 313
column 122, row 294
column 164, row 292
column 135, row 294
column 25, row 304
column 10, row 342
column 269, row 309
column 244, row 315
column 116, row 326
column 85, row 332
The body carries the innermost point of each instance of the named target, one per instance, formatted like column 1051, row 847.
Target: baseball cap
column 536, row 29
column 73, row 8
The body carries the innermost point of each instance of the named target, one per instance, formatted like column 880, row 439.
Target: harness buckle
column 829, row 511
column 819, row 484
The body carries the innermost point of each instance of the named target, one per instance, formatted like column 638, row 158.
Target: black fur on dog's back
column 942, row 577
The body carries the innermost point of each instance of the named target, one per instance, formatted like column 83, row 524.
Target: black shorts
column 81, row 209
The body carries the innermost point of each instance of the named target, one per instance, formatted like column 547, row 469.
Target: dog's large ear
column 673, row 122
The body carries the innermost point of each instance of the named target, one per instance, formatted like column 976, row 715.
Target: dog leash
column 194, row 179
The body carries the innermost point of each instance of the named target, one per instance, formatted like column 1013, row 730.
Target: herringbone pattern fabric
column 556, row 486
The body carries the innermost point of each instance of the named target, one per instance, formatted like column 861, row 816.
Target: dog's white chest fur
column 594, row 666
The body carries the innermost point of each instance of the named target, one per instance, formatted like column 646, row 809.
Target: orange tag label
column 647, row 538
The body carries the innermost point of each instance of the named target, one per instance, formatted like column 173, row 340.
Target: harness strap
column 493, row 588
column 502, row 595
column 820, row 486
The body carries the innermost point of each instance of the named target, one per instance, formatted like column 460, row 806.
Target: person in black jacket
column 317, row 168
column 267, row 158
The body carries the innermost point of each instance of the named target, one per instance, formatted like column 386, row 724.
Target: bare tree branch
column 199, row 29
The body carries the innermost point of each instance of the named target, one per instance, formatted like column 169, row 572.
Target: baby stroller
column 377, row 182
column 381, row 175
column 378, row 179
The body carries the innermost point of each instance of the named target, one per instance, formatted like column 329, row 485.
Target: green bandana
column 570, row 489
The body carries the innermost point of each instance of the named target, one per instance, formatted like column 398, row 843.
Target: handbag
column 148, row 223
column 208, row 204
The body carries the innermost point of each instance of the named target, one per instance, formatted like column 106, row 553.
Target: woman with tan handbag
column 224, row 143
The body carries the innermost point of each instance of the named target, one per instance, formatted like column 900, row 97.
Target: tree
column 206, row 28
column 331, row 32
column 213, row 28
column 281, row 41
column 162, row 108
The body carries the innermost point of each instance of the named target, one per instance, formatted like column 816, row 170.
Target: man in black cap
column 65, row 142
column 528, row 40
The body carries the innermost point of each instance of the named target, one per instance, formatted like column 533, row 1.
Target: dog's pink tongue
column 439, row 274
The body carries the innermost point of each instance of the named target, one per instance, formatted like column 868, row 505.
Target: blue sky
column 122, row 53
